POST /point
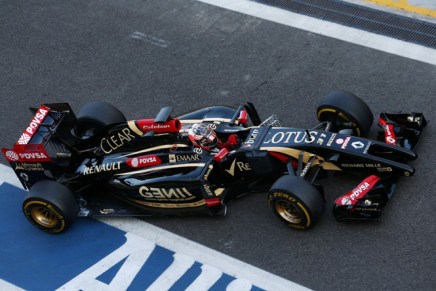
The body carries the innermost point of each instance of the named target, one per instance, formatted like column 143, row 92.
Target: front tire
column 345, row 111
column 50, row 206
column 296, row 202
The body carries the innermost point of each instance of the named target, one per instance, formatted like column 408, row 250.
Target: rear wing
column 32, row 155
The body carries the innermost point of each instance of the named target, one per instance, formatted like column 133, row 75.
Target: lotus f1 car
column 97, row 163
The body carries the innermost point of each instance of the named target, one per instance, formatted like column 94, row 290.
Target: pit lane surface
column 187, row 54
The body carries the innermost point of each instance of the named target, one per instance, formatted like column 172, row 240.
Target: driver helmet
column 203, row 136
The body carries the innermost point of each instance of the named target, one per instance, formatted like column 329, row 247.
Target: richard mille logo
column 241, row 166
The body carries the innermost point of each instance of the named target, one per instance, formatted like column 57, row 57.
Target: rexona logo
column 241, row 166
column 102, row 168
column 165, row 193
column 38, row 118
column 143, row 161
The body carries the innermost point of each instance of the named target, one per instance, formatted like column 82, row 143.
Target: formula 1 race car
column 97, row 163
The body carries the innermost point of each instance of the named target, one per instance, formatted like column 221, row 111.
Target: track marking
column 150, row 39
column 405, row 5
column 147, row 236
column 330, row 29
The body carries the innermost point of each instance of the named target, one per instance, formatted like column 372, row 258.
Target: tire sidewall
column 30, row 204
column 56, row 199
column 277, row 196
column 303, row 197
column 348, row 107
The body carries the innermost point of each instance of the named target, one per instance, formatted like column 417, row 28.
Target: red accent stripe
column 357, row 193
column 145, row 125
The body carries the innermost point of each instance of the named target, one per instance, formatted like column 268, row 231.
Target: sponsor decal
column 320, row 140
column 253, row 137
column 292, row 137
column 115, row 141
column 11, row 156
column 212, row 126
column 306, row 168
column 102, row 168
column 38, row 118
column 166, row 194
column 231, row 130
column 241, row 166
column 173, row 158
column 154, row 126
column 357, row 193
column 331, row 139
column 353, row 165
column 21, row 154
column 29, row 167
column 390, row 137
column 340, row 141
column 198, row 151
column 385, row 169
column 145, row 125
column 416, row 119
column 344, row 145
column 367, row 148
column 207, row 189
column 24, row 177
column 209, row 170
column 33, row 156
column 143, row 161
column 357, row 145
column 368, row 165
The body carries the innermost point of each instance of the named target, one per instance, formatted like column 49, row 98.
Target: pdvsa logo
column 143, row 161
column 11, row 156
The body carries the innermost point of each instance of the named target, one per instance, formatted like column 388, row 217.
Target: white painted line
column 202, row 254
column 8, row 175
column 330, row 29
column 186, row 252
column 6, row 286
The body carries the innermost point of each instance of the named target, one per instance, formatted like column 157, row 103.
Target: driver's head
column 203, row 136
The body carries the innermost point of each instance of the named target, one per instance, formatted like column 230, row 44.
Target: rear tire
column 342, row 107
column 50, row 206
column 296, row 202
column 95, row 116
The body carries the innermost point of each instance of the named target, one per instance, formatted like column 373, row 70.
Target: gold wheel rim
column 44, row 217
column 289, row 212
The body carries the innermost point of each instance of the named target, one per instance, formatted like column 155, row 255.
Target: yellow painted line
column 404, row 5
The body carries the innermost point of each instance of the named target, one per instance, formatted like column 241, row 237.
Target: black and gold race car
column 98, row 163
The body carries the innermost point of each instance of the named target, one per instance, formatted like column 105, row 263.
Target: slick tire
column 343, row 108
column 95, row 116
column 50, row 206
column 296, row 202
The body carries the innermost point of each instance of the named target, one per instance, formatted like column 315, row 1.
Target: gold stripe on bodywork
column 306, row 156
column 190, row 121
column 168, row 146
column 196, row 165
column 170, row 205
column 134, row 128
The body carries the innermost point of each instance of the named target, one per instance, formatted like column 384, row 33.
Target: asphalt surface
column 142, row 55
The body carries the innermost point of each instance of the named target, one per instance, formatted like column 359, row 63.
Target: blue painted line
column 34, row 260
